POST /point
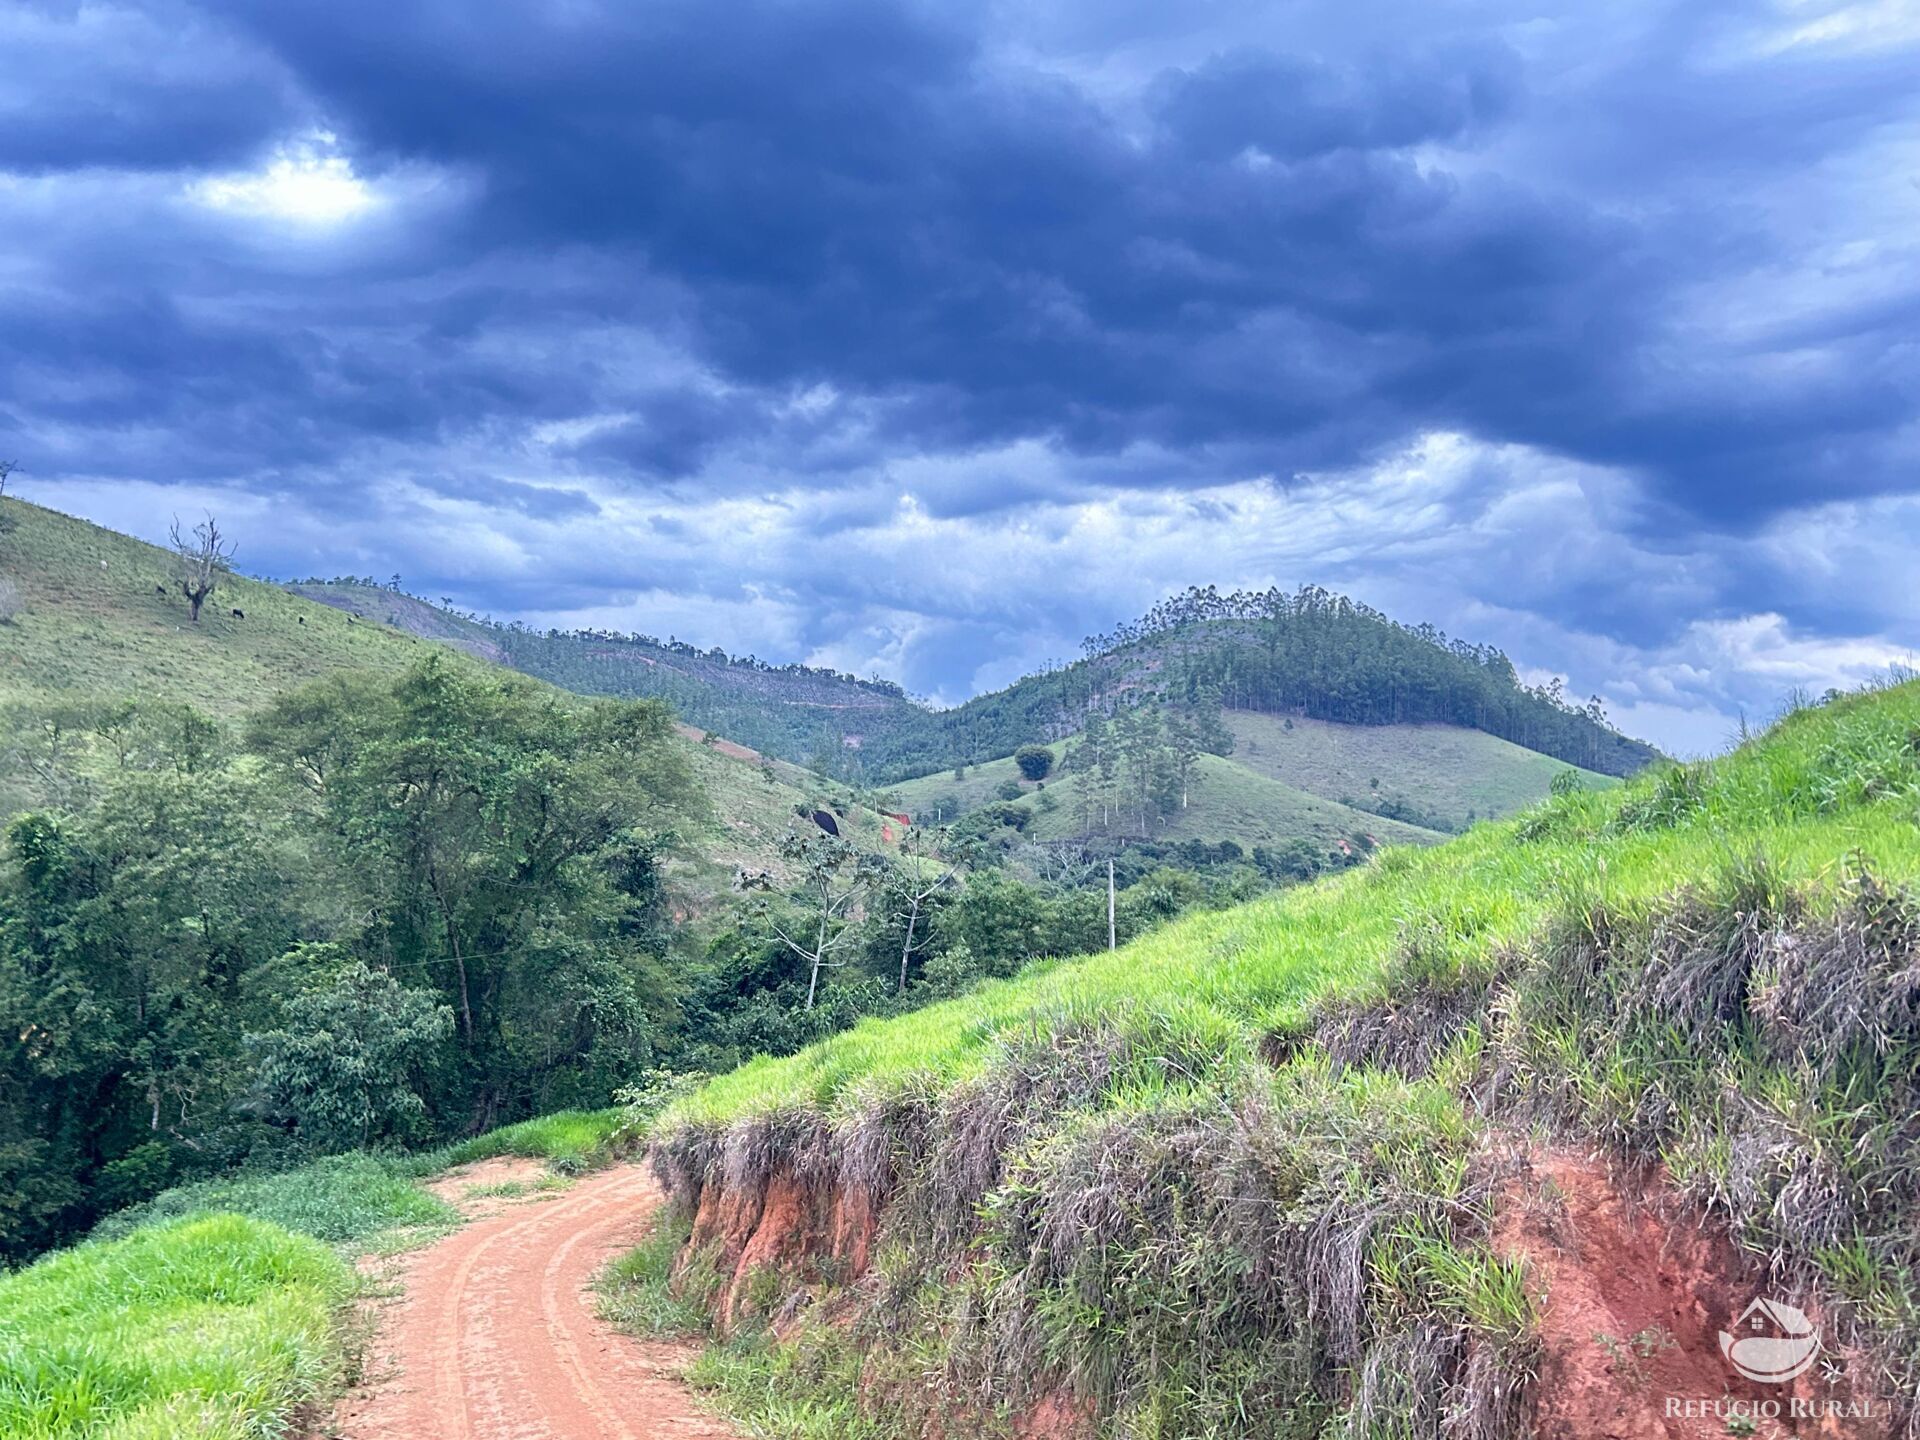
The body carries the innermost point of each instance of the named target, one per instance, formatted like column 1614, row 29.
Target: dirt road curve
column 494, row 1336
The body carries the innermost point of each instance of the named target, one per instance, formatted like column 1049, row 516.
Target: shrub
column 1035, row 761
column 342, row 1066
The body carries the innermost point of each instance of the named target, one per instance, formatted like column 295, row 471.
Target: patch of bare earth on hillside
column 797, row 1230
column 1634, row 1295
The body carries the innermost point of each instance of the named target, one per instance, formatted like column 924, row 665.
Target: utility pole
column 1111, row 945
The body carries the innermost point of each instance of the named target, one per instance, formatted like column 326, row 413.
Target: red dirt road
column 494, row 1336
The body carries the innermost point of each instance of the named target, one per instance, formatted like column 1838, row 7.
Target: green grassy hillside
column 941, row 798
column 1227, row 801
column 1446, row 774
column 92, row 623
column 1309, row 654
column 1711, row 968
column 1292, row 777
column 792, row 711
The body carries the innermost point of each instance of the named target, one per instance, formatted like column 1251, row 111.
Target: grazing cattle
column 239, row 614
column 161, row 591
column 826, row 823
column 303, row 619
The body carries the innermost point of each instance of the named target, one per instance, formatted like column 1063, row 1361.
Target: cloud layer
column 924, row 339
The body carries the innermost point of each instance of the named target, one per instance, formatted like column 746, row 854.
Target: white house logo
column 1773, row 1343
column 1780, row 1343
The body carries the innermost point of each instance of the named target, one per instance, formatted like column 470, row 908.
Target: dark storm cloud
column 138, row 87
column 1007, row 260
column 854, row 192
column 850, row 192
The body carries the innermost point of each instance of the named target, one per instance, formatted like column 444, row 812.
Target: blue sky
column 924, row 339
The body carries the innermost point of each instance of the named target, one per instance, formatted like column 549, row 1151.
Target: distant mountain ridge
column 796, row 712
column 1308, row 653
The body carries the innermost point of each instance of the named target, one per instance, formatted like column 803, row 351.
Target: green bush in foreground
column 218, row 1326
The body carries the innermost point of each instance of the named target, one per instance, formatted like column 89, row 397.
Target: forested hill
column 801, row 713
column 1310, row 653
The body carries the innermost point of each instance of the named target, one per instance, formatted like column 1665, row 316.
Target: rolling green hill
column 96, row 616
column 1311, row 655
column 1443, row 775
column 1227, row 801
column 1287, row 778
column 1304, row 1168
column 91, row 623
column 794, row 712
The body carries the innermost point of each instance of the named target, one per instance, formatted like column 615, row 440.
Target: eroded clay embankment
column 1632, row 1292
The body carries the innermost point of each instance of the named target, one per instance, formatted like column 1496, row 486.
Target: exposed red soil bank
column 1633, row 1305
column 1634, row 1308
column 494, row 1334
column 785, row 1226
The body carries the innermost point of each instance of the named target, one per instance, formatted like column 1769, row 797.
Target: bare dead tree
column 199, row 562
column 833, row 882
column 7, row 467
column 928, row 866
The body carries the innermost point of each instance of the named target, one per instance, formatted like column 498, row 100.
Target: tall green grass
column 340, row 1199
column 568, row 1140
column 219, row 1327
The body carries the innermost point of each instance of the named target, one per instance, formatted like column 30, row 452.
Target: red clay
column 1635, row 1300
column 495, row 1337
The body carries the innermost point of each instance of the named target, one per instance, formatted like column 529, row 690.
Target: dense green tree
column 485, row 830
column 1035, row 761
column 131, row 941
column 341, row 1067
column 446, row 838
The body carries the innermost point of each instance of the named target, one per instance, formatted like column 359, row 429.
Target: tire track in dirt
column 494, row 1335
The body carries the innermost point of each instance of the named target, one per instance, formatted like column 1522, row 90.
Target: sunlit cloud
column 309, row 182
column 1869, row 25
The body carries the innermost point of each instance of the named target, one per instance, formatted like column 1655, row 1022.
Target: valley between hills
column 1215, row 1035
